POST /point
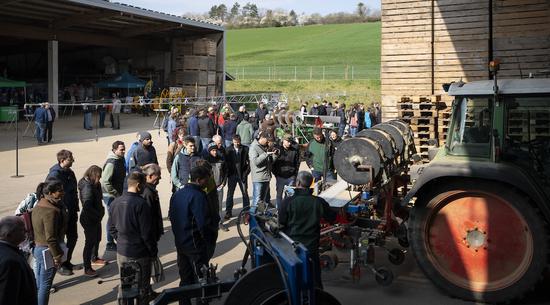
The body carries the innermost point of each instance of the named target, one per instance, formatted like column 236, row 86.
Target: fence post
column 323, row 72
column 346, row 70
column 352, row 72
column 269, row 72
column 295, row 73
column 237, row 73
column 310, row 73
column 243, row 73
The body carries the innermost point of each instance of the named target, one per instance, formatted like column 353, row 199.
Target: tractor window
column 470, row 133
column 527, row 134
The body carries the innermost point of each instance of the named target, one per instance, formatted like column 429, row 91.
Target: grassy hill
column 317, row 45
column 336, row 45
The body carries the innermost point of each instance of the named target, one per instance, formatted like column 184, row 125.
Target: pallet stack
column 421, row 113
column 195, row 67
column 443, row 119
column 529, row 124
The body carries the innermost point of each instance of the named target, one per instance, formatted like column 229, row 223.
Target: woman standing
column 90, row 218
column 49, row 221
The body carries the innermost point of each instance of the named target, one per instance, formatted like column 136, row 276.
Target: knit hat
column 212, row 146
column 144, row 135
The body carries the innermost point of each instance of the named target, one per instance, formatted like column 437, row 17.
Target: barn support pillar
column 53, row 73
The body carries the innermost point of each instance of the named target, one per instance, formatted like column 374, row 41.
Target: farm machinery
column 476, row 217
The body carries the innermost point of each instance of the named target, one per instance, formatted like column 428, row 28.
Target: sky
column 180, row 7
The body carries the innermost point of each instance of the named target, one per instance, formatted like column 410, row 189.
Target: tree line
column 250, row 15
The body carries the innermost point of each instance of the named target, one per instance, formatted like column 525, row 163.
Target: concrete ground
column 91, row 147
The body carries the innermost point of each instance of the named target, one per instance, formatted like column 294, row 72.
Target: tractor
column 479, row 226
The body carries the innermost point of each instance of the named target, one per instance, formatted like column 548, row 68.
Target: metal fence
column 344, row 72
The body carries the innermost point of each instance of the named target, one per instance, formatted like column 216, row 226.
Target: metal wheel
column 396, row 256
column 329, row 261
column 383, row 276
column 479, row 241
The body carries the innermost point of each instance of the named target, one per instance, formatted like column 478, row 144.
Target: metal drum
column 358, row 160
column 395, row 133
column 385, row 141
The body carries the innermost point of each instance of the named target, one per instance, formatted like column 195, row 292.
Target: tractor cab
column 510, row 124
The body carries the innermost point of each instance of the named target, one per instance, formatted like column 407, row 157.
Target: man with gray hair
column 300, row 217
column 152, row 174
column 17, row 282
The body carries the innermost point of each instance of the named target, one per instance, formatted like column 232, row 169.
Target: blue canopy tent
column 124, row 80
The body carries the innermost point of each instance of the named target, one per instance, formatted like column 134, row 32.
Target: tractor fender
column 513, row 176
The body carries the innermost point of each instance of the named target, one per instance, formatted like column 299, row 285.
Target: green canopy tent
column 6, row 113
column 123, row 81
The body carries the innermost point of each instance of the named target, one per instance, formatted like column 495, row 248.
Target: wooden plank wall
column 426, row 43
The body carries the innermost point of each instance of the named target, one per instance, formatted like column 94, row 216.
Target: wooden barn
column 428, row 43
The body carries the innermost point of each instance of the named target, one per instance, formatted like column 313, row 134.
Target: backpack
column 24, row 210
column 165, row 124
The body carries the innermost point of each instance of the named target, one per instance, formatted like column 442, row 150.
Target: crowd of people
column 210, row 152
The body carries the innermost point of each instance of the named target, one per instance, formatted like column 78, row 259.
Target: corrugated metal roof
column 105, row 4
column 505, row 86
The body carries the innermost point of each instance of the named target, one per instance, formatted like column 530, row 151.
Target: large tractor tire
column 479, row 241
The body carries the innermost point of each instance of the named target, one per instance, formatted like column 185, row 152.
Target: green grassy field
column 308, row 46
column 317, row 45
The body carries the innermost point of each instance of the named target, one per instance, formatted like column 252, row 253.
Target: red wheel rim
column 478, row 241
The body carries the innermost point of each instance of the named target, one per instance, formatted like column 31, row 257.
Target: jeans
column 102, row 114
column 87, row 120
column 317, row 175
column 220, row 203
column 44, row 278
column 260, row 191
column 232, row 182
column 280, row 185
column 205, row 142
column 353, row 131
column 116, row 121
column 108, row 201
column 341, row 129
column 92, row 237
column 145, row 278
column 40, row 131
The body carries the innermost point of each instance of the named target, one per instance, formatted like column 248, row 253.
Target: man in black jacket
column 144, row 154
column 17, row 283
column 300, row 217
column 238, row 168
column 206, row 129
column 286, row 166
column 189, row 218
column 152, row 174
column 50, row 114
column 62, row 171
column 131, row 227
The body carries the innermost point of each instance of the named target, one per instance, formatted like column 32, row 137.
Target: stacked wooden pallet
column 195, row 66
column 529, row 124
column 421, row 113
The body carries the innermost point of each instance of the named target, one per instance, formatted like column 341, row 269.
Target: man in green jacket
column 319, row 151
column 245, row 131
column 300, row 216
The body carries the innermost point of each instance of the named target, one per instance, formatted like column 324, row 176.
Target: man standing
column 115, row 112
column 300, row 217
column 260, row 113
column 62, row 171
column 318, row 153
column 341, row 113
column 112, row 182
column 314, row 109
column 183, row 163
column 238, row 168
column 261, row 161
column 206, row 129
column 40, row 120
column 144, row 154
column 241, row 113
column 152, row 174
column 50, row 113
column 245, row 131
column 361, row 117
column 193, row 126
column 188, row 216
column 219, row 172
column 229, row 129
column 131, row 227
column 286, row 167
column 323, row 108
column 17, row 282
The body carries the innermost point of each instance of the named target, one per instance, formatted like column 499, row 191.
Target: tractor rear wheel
column 479, row 241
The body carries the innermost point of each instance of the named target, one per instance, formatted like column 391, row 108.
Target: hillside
column 316, row 45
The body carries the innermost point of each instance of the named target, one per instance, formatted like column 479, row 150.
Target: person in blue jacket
column 188, row 215
column 40, row 120
column 130, row 152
